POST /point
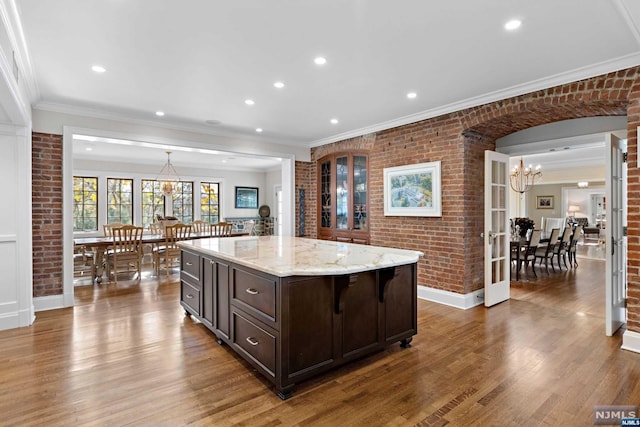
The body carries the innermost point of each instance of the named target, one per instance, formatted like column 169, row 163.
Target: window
column 119, row 200
column 152, row 201
column 210, row 202
column 85, row 203
column 183, row 201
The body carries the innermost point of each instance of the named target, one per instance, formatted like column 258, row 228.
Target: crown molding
column 593, row 70
column 623, row 10
column 10, row 17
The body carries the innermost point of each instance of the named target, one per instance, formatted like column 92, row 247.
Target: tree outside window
column 210, row 202
column 85, row 203
column 152, row 201
column 119, row 200
column 182, row 199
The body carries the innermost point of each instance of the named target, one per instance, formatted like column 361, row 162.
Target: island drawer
column 254, row 292
column 190, row 264
column 190, row 296
column 254, row 342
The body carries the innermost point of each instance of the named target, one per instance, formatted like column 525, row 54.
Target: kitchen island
column 294, row 307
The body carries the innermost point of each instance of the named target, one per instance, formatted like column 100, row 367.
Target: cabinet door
column 400, row 304
column 222, row 314
column 215, row 298
column 343, row 185
column 207, row 296
column 325, row 220
column 360, row 316
column 359, row 199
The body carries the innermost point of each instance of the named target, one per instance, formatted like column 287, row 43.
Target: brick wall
column 47, row 214
column 302, row 183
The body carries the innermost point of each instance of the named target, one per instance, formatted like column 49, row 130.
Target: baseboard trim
column 51, row 302
column 16, row 319
column 631, row 341
column 452, row 299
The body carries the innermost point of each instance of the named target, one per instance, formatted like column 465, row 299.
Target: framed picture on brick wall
column 413, row 190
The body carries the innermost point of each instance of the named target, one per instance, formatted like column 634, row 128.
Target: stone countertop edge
column 285, row 256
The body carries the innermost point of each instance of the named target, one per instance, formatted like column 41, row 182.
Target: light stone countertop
column 296, row 256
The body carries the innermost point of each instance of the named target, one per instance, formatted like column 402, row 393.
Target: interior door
column 616, row 292
column 496, row 228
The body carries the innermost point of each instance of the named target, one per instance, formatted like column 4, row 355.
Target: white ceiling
column 200, row 60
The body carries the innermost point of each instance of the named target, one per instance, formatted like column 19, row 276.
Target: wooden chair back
column 127, row 239
column 221, row 229
column 199, row 226
column 108, row 228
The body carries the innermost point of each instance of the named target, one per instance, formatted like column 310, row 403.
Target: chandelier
column 522, row 179
column 168, row 184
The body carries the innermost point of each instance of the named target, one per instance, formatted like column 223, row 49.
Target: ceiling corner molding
column 604, row 67
column 11, row 19
column 634, row 26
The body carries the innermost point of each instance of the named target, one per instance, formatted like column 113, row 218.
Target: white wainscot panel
column 8, row 282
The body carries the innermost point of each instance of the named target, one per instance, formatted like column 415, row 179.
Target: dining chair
column 108, row 228
column 126, row 252
column 221, row 229
column 575, row 236
column 562, row 247
column 247, row 227
column 83, row 261
column 156, row 228
column 529, row 252
column 169, row 252
column 546, row 252
column 200, row 226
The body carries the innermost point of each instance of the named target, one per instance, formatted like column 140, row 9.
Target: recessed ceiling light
column 513, row 24
column 88, row 149
column 411, row 95
column 320, row 60
column 258, row 130
column 159, row 113
column 279, row 85
column 249, row 101
column 98, row 69
column 334, row 121
column 224, row 160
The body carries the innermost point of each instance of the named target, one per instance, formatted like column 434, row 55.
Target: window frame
column 179, row 190
column 208, row 193
column 97, row 205
column 157, row 192
column 108, row 202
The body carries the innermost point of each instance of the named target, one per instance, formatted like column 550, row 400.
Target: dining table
column 100, row 244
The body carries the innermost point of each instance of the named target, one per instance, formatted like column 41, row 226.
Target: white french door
column 616, row 286
column 497, row 268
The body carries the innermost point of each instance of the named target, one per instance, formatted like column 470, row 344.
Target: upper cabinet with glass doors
column 343, row 196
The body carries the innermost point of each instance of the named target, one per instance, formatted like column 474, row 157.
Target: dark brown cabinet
column 344, row 198
column 292, row 328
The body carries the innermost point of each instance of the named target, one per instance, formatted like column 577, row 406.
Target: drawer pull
column 189, row 296
column 252, row 291
column 189, row 263
column 252, row 341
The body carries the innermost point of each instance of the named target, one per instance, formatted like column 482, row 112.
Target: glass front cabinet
column 343, row 198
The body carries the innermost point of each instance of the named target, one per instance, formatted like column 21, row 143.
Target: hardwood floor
column 127, row 355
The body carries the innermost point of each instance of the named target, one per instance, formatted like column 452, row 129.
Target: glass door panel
column 359, row 193
column 325, row 194
column 342, row 194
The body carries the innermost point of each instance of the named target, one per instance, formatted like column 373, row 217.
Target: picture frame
column 246, row 198
column 544, row 202
column 413, row 190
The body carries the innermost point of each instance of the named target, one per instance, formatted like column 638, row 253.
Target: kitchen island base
column 292, row 328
